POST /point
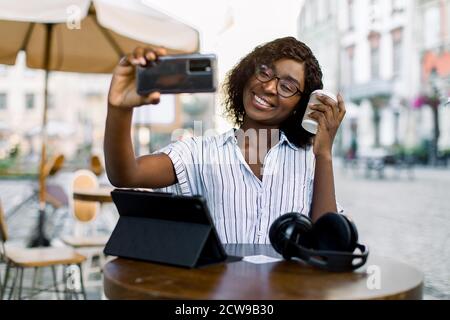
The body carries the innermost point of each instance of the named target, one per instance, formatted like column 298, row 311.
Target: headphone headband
column 334, row 260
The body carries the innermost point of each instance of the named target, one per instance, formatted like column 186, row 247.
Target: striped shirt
column 242, row 206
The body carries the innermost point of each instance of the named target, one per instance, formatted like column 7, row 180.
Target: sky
column 232, row 28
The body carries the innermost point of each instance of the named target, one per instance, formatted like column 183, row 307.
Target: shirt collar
column 229, row 136
column 284, row 139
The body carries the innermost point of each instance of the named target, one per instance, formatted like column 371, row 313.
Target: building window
column 321, row 13
column 29, row 101
column 327, row 9
column 374, row 11
column 349, row 74
column 398, row 6
column 397, row 40
column 301, row 21
column 432, row 27
column 375, row 62
column 447, row 24
column 3, row 101
column 3, row 70
column 374, row 39
column 350, row 9
column 51, row 101
column 307, row 16
column 331, row 9
column 397, row 57
column 314, row 13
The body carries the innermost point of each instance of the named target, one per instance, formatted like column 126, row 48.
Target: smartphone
column 186, row 73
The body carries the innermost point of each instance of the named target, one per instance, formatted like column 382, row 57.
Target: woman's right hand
column 122, row 92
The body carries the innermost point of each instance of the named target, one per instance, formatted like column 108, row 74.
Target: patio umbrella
column 83, row 36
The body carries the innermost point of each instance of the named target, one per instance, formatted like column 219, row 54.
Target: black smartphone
column 186, row 73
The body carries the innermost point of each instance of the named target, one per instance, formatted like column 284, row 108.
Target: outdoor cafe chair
column 84, row 237
column 20, row 259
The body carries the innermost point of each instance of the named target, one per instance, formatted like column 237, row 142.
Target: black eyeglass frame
column 257, row 72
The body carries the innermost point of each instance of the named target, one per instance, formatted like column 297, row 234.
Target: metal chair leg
column 55, row 282
column 13, row 287
column 83, row 291
column 1, row 286
column 33, row 286
column 71, row 280
column 5, row 280
column 21, row 270
column 65, row 282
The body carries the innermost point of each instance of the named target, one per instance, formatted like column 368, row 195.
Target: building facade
column 434, row 53
column 373, row 51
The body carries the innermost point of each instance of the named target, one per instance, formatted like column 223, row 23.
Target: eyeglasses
column 285, row 86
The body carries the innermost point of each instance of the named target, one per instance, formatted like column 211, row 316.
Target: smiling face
column 262, row 104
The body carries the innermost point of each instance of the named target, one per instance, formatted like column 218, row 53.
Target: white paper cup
column 309, row 124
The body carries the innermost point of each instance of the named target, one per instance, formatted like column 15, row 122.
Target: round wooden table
column 131, row 279
column 102, row 194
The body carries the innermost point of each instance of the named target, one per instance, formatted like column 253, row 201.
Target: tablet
column 165, row 228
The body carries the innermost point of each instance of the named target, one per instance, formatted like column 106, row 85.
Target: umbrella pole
column 39, row 239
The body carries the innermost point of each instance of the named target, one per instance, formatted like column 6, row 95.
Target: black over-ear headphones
column 328, row 244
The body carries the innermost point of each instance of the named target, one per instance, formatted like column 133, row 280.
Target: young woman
column 266, row 96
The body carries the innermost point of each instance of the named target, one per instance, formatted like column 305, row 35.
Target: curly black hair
column 237, row 78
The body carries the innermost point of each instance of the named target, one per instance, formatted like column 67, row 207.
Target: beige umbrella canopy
column 83, row 36
column 86, row 36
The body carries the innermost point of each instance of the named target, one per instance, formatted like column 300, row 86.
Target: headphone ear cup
column 332, row 232
column 304, row 231
column 288, row 228
column 280, row 231
column 353, row 233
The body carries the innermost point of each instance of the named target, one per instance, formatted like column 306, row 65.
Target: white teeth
column 261, row 101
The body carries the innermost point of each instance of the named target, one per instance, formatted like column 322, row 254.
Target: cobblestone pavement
column 398, row 217
column 403, row 218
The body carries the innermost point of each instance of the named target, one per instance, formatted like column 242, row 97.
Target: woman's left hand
column 329, row 115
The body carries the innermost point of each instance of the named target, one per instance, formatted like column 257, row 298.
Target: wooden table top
column 131, row 279
column 101, row 194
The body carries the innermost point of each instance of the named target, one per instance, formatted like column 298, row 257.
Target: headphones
column 328, row 244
